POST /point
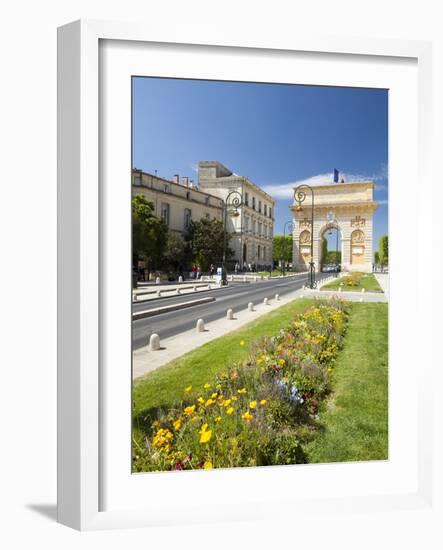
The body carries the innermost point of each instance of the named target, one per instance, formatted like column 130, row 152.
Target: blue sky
column 276, row 134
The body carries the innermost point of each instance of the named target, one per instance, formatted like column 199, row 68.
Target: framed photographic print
column 232, row 221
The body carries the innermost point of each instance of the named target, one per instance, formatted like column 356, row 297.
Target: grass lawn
column 164, row 386
column 355, row 417
column 368, row 282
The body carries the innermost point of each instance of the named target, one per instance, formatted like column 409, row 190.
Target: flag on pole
column 335, row 175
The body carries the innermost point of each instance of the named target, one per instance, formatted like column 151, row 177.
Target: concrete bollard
column 255, row 279
column 154, row 342
column 250, row 306
column 134, row 297
column 180, row 279
column 209, row 287
column 266, row 302
column 195, row 288
column 159, row 293
column 178, row 291
column 277, row 297
column 244, row 278
column 157, row 280
column 340, row 289
column 363, row 290
column 361, row 299
column 302, row 296
column 230, row 314
column 200, row 327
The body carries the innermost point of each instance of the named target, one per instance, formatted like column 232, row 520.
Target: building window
column 258, row 251
column 270, row 212
column 137, row 179
column 259, row 229
column 253, row 226
column 265, row 210
column 246, row 223
column 188, row 195
column 188, row 216
column 253, row 203
column 264, row 253
column 246, row 199
column 259, row 206
column 166, row 188
column 265, row 231
column 165, row 213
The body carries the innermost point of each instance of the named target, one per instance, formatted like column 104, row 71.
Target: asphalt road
column 236, row 296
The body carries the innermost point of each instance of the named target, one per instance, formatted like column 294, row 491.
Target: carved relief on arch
column 357, row 247
column 357, row 237
column 305, row 237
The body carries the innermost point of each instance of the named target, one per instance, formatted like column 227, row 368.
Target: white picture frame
column 83, row 402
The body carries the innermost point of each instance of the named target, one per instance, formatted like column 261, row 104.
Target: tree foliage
column 205, row 242
column 149, row 233
column 175, row 254
column 282, row 248
column 383, row 250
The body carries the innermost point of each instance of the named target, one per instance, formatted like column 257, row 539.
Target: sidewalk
column 145, row 360
column 383, row 281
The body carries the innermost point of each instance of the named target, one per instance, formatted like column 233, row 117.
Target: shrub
column 255, row 413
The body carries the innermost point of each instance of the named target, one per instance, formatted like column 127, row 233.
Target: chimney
column 175, row 178
column 185, row 181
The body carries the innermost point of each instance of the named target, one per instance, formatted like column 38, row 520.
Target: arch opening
column 331, row 248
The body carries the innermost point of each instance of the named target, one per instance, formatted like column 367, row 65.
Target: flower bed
column 256, row 413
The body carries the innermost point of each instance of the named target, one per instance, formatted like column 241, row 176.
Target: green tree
column 175, row 254
column 383, row 250
column 205, row 242
column 149, row 233
column 324, row 250
column 376, row 257
column 282, row 248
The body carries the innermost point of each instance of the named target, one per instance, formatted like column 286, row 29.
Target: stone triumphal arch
column 347, row 207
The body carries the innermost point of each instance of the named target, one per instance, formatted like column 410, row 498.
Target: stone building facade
column 253, row 225
column 348, row 207
column 177, row 203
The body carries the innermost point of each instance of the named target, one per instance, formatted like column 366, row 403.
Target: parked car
column 331, row 268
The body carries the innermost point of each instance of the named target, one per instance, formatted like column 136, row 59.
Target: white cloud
column 286, row 190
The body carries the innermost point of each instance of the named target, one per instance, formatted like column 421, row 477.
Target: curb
column 172, row 295
column 166, row 309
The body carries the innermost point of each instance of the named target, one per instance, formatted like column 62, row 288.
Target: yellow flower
column 207, row 386
column 252, row 404
column 234, row 398
column 247, row 416
column 263, row 357
column 189, row 411
column 242, row 391
column 188, row 389
column 218, row 387
column 209, row 402
column 177, row 424
column 208, row 465
column 282, row 361
column 205, row 436
column 201, row 400
column 227, row 402
column 263, row 402
column 203, row 428
column 214, row 395
column 230, row 410
column 242, row 342
column 155, row 423
column 218, row 419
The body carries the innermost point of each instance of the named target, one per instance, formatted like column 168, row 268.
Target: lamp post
column 234, row 200
column 299, row 197
column 290, row 227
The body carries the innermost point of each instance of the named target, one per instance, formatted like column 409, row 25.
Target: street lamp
column 290, row 227
column 233, row 201
column 299, row 197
